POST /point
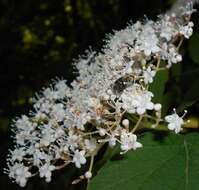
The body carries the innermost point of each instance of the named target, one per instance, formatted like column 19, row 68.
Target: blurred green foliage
column 40, row 38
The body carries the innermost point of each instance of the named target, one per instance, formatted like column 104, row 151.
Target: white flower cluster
column 175, row 122
column 106, row 103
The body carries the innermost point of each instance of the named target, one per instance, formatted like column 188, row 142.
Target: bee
column 120, row 85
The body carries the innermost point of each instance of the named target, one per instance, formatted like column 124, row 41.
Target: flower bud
column 125, row 123
column 157, row 107
column 88, row 175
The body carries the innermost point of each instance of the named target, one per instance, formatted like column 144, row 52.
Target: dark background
column 38, row 41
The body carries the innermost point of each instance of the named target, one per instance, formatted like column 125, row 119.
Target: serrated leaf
column 166, row 163
column 194, row 47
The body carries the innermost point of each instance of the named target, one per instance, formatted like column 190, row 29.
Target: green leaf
column 166, row 102
column 158, row 85
column 190, row 97
column 176, row 71
column 166, row 163
column 194, row 47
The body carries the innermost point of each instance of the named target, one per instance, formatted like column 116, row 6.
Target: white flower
column 93, row 103
column 59, row 132
column 136, row 100
column 145, row 103
column 50, row 94
column 173, row 56
column 39, row 156
column 175, row 122
column 167, row 27
column 20, row 173
column 166, row 33
column 79, row 158
column 148, row 75
column 18, row 154
column 187, row 30
column 128, row 68
column 47, row 136
column 80, row 120
column 45, row 171
column 102, row 132
column 129, row 141
column 44, row 106
column 62, row 89
column 20, row 138
column 58, row 112
column 24, row 124
column 148, row 41
column 72, row 140
column 112, row 141
column 90, row 144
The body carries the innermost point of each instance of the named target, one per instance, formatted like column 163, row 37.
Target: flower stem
column 137, row 124
column 180, row 43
